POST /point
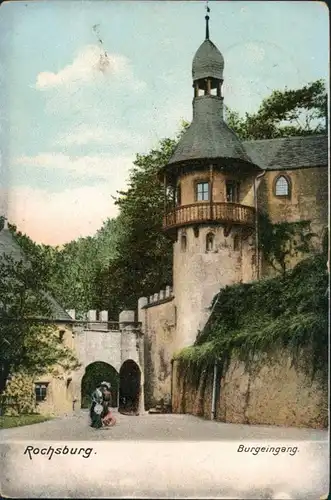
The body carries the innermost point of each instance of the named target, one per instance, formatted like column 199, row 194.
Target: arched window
column 236, row 243
column 210, row 242
column 282, row 186
column 183, row 242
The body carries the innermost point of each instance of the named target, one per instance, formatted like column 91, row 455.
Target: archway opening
column 130, row 378
column 95, row 373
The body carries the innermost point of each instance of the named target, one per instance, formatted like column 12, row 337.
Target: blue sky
column 69, row 131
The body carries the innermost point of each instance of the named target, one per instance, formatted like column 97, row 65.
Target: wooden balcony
column 197, row 213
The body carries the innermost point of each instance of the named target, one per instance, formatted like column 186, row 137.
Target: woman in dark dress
column 97, row 410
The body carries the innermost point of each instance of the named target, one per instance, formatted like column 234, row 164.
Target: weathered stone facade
column 199, row 273
column 101, row 342
column 274, row 393
column 308, row 199
column 59, row 399
column 159, row 325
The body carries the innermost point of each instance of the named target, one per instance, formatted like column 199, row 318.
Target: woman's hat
column 106, row 384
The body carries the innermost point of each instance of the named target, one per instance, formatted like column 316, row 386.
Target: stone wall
column 199, row 274
column 274, row 393
column 159, row 322
column 308, row 200
column 99, row 341
column 59, row 399
column 188, row 182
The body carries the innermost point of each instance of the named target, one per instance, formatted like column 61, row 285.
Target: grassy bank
column 7, row 422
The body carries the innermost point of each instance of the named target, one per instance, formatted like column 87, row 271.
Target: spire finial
column 207, row 20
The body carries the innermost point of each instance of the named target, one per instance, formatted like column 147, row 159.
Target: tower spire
column 207, row 20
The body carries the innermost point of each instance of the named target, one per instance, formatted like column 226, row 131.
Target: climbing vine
column 253, row 320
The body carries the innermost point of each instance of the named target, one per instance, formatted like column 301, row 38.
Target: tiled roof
column 57, row 312
column 289, row 152
column 9, row 246
column 208, row 136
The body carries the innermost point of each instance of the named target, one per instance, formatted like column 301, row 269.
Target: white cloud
column 56, row 218
column 89, row 66
column 101, row 135
column 104, row 167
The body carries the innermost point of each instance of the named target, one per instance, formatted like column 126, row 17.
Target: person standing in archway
column 97, row 409
column 107, row 418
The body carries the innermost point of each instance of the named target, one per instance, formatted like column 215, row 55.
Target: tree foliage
column 143, row 262
column 284, row 114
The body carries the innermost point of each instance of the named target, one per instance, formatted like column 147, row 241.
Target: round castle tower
column 212, row 217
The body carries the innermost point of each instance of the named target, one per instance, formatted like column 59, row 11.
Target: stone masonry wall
column 59, row 399
column 159, row 329
column 199, row 274
column 274, row 393
column 308, row 200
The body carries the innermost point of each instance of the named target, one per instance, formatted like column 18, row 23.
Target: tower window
column 236, row 243
column 232, row 191
column 178, row 195
column 183, row 242
column 41, row 392
column 202, row 191
column 282, row 186
column 210, row 242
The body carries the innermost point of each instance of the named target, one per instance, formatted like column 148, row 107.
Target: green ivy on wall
column 289, row 311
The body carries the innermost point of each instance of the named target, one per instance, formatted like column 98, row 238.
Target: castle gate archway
column 129, row 393
column 95, row 373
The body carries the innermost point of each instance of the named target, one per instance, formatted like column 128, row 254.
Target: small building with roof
column 53, row 395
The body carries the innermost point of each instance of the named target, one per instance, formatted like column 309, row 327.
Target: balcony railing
column 227, row 213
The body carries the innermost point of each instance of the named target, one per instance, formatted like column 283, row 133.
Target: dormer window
column 202, row 191
column 282, row 186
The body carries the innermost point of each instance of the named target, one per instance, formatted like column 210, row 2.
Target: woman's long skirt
column 96, row 421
